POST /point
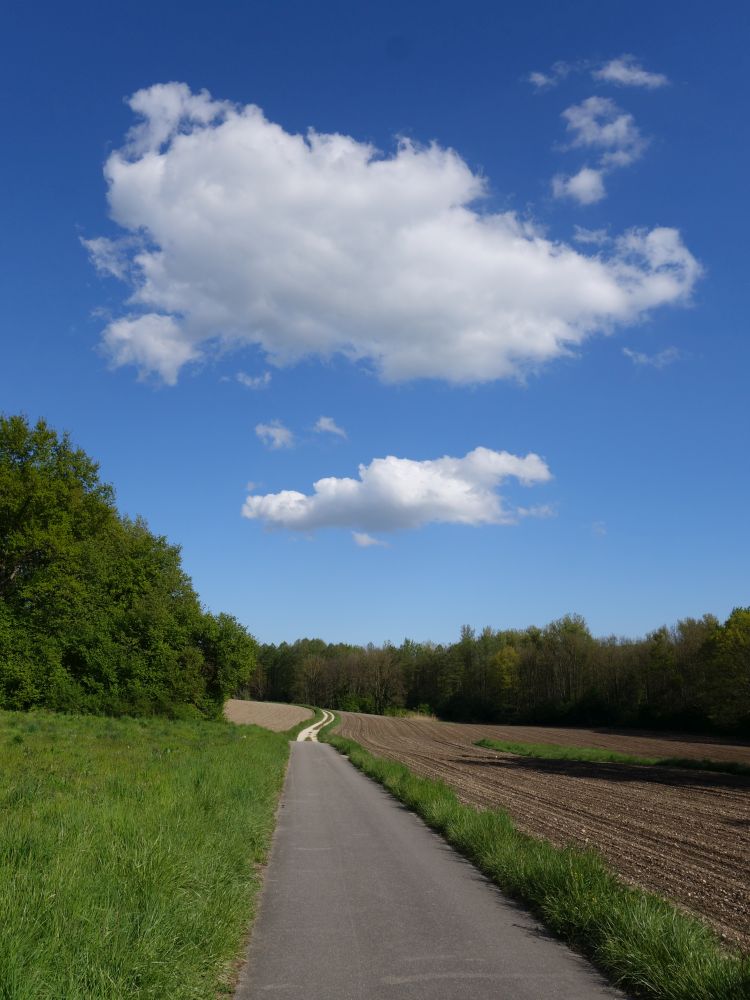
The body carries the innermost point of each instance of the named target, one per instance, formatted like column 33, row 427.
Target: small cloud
column 112, row 258
column 599, row 123
column 538, row 510
column 595, row 237
column 586, row 187
column 327, row 425
column 275, row 435
column 626, row 71
column 599, row 528
column 666, row 357
column 546, row 81
column 254, row 381
column 541, row 80
column 152, row 343
column 365, row 541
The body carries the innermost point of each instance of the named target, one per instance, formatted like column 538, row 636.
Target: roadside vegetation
column 129, row 853
column 553, row 751
column 644, row 944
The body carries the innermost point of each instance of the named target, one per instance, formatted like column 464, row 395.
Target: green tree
column 729, row 672
column 96, row 612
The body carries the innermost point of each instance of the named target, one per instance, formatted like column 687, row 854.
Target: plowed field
column 683, row 834
column 269, row 714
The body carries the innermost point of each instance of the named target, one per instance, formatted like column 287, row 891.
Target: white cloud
column 317, row 244
column 254, row 381
column 365, row 541
column 626, row 71
column 599, row 123
column 596, row 237
column 666, row 357
column 162, row 109
column 545, row 81
column 327, row 425
column 586, row 187
column 394, row 493
column 599, row 528
column 111, row 257
column 542, row 80
column 153, row 342
column 275, row 435
column 543, row 510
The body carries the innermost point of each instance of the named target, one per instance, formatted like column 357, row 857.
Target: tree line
column 98, row 615
column 694, row 675
column 96, row 611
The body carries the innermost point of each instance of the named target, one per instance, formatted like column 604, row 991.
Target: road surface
column 363, row 902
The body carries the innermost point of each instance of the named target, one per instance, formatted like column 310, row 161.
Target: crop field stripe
column 554, row 751
column 644, row 944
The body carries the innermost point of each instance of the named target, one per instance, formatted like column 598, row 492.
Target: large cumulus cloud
column 238, row 232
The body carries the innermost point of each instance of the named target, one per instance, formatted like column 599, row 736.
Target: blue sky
column 550, row 270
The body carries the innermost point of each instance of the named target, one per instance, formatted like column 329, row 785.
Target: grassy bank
column 129, row 853
column 553, row 751
column 643, row 943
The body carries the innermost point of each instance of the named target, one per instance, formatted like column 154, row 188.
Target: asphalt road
column 362, row 901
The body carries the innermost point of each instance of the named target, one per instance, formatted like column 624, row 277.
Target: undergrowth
column 643, row 943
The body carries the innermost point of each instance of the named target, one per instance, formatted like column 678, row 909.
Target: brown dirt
column 683, row 834
column 267, row 714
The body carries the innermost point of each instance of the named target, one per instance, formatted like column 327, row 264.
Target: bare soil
column 684, row 834
column 268, row 714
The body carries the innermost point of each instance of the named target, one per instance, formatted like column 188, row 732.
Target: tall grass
column 129, row 853
column 553, row 751
column 642, row 942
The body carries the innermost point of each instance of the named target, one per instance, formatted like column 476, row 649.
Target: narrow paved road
column 363, row 902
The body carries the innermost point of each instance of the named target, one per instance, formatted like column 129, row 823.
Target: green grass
column 553, row 751
column 129, row 853
column 640, row 941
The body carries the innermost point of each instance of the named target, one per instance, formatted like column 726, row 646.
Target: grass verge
column 553, row 751
column 644, row 944
column 129, row 853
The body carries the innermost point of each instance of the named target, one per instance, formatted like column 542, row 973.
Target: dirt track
column 268, row 714
column 683, row 834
